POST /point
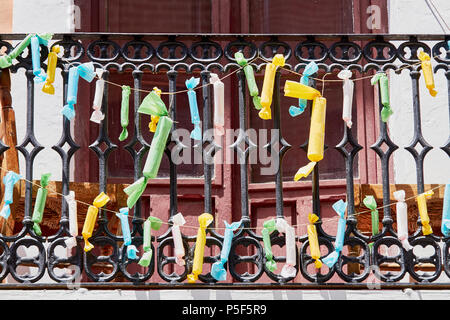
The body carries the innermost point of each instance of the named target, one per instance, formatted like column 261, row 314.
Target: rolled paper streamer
column 204, row 220
column 250, row 77
column 51, row 68
column 445, row 226
column 6, row 61
column 370, row 203
column 269, row 226
column 267, row 89
column 153, row 105
column 297, row 90
column 423, row 212
column 383, row 83
column 72, row 90
column 91, row 216
column 218, row 271
column 191, row 83
column 347, row 88
column 86, row 71
column 9, row 180
column 288, row 270
column 149, row 224
column 340, row 207
column 97, row 115
column 124, row 109
column 153, row 161
column 314, row 240
column 177, row 221
column 154, row 119
column 310, row 69
column 73, row 220
column 126, row 233
column 427, row 72
column 39, row 73
column 316, row 137
column 39, row 205
column 402, row 218
column 219, row 103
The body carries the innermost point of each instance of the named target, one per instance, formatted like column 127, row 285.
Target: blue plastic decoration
column 310, row 69
column 218, row 271
column 10, row 179
column 131, row 249
column 39, row 74
column 86, row 71
column 340, row 207
column 445, row 227
column 191, row 83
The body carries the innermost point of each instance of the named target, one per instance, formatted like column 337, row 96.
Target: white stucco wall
column 414, row 17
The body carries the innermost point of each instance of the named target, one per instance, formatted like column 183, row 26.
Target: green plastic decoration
column 383, row 83
column 39, row 205
column 153, row 161
column 250, row 76
column 153, row 105
column 149, row 224
column 370, row 203
column 124, row 110
column 269, row 227
column 6, row 61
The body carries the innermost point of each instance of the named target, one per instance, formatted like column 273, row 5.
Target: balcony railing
column 171, row 54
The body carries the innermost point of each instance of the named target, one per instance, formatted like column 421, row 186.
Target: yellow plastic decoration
column 424, row 218
column 427, row 72
column 267, row 89
column 314, row 240
column 297, row 90
column 51, row 68
column 155, row 119
column 304, row 171
column 204, row 221
column 91, row 216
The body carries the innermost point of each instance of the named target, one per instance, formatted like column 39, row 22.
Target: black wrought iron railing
column 171, row 54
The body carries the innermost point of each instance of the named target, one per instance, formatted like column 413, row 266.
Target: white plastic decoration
column 348, row 96
column 219, row 101
column 178, row 220
column 288, row 270
column 73, row 221
column 402, row 219
column 97, row 115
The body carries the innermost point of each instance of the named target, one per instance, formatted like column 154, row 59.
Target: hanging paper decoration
column 423, row 211
column 218, row 271
column 153, row 104
column 269, row 226
column 39, row 206
column 427, row 72
column 204, row 220
column 219, row 102
column 267, row 89
column 86, row 71
column 153, row 161
column 347, row 88
column 383, row 83
column 126, row 234
column 191, row 83
column 370, row 203
column 97, row 115
column 91, row 217
column 445, row 227
column 250, row 76
column 317, row 128
column 51, row 69
column 402, row 218
column 124, row 109
column 9, row 180
column 340, row 207
column 154, row 119
column 288, row 270
column 149, row 224
column 310, row 69
column 314, row 240
column 36, row 41
column 73, row 220
column 177, row 221
column 6, row 61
